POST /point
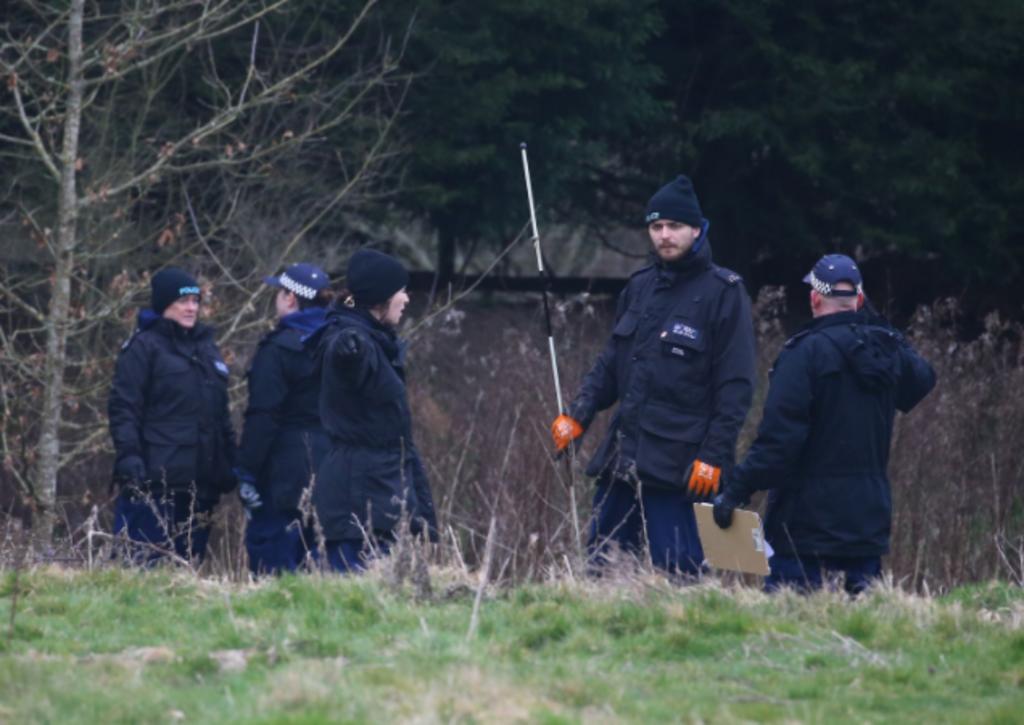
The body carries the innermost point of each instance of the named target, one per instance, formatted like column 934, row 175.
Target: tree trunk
column 445, row 270
column 445, row 256
column 58, row 318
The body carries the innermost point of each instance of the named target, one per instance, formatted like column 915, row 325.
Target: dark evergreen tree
column 569, row 78
column 815, row 127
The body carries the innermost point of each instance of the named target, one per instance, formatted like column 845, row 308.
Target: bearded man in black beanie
column 680, row 363
column 169, row 419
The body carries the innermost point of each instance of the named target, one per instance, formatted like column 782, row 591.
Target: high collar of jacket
column 693, row 262
column 849, row 317
column 304, row 321
column 150, row 320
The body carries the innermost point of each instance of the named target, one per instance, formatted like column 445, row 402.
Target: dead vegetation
column 481, row 392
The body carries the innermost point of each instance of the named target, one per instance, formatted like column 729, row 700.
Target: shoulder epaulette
column 130, row 339
column 727, row 275
column 795, row 340
column 645, row 268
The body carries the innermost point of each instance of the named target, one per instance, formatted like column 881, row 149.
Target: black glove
column 349, row 344
column 725, row 503
column 130, row 468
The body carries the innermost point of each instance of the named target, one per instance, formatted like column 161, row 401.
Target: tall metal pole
column 540, row 268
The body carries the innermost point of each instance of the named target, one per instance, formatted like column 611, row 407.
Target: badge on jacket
column 221, row 367
column 684, row 330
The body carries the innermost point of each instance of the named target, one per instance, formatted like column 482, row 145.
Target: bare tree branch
column 226, row 117
column 21, row 303
column 190, row 34
column 33, row 134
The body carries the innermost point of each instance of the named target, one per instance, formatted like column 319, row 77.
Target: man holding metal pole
column 680, row 363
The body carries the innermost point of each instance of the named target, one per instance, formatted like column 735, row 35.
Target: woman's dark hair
column 323, row 299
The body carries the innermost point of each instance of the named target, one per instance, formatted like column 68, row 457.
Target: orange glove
column 702, row 478
column 564, row 431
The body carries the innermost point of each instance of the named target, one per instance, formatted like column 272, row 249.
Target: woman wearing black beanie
column 173, row 440
column 373, row 473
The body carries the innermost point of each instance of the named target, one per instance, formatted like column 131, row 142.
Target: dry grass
column 482, row 396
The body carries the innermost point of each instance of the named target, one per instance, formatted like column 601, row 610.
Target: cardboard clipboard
column 741, row 547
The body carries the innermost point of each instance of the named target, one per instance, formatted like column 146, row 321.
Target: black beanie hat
column 373, row 277
column 170, row 284
column 676, row 201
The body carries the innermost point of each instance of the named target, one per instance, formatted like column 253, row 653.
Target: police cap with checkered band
column 304, row 279
column 832, row 269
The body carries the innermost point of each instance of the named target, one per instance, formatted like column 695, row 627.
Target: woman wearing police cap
column 373, row 474
column 283, row 440
column 169, row 419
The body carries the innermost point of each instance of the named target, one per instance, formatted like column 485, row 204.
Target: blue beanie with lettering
column 170, row 284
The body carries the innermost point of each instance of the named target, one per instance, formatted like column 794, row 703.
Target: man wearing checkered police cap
column 836, row 275
column 823, row 446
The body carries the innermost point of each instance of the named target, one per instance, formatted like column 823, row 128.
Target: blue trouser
column 804, row 573
column 670, row 532
column 276, row 541
column 157, row 525
column 351, row 555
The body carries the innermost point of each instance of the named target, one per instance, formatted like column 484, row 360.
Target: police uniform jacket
column 373, row 471
column 168, row 406
column 680, row 363
column 823, row 443
column 283, row 440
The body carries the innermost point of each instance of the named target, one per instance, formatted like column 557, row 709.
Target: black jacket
column 169, row 407
column 823, row 443
column 680, row 362
column 283, row 440
column 373, row 470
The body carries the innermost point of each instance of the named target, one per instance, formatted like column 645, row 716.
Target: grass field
column 122, row 646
